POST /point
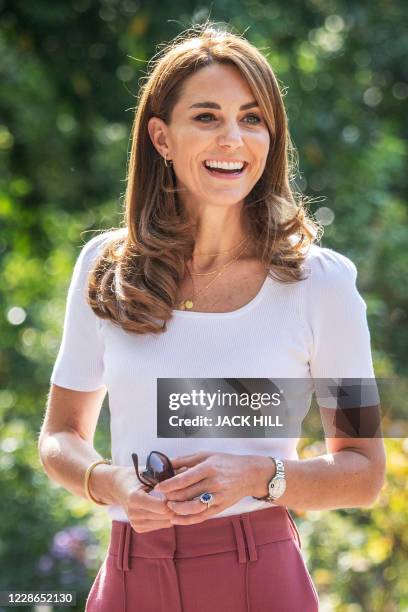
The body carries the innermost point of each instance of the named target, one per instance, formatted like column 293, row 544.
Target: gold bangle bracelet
column 87, row 477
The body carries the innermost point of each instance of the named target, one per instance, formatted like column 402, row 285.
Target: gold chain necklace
column 221, row 252
column 189, row 303
column 212, row 271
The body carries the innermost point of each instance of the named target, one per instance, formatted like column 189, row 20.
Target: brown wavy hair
column 135, row 279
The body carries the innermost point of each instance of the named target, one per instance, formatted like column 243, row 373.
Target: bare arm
column 66, row 443
column 66, row 451
column 350, row 475
column 345, row 479
column 66, row 456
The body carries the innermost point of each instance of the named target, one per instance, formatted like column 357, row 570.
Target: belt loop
column 123, row 558
column 174, row 540
column 119, row 560
column 294, row 528
column 126, row 550
column 239, row 540
column 253, row 555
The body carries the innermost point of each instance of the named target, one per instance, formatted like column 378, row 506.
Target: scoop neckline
column 196, row 314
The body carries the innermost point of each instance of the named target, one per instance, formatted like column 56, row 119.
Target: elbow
column 41, row 451
column 377, row 480
column 42, row 437
column 46, row 451
column 40, row 446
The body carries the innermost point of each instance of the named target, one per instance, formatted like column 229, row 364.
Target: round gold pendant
column 188, row 304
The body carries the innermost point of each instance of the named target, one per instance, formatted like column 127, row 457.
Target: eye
column 203, row 115
column 199, row 117
column 253, row 116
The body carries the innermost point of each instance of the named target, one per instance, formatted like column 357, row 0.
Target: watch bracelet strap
column 87, row 478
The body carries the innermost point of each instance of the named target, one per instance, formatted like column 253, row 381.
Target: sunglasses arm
column 138, row 474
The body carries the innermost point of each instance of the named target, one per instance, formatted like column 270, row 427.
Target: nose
column 230, row 136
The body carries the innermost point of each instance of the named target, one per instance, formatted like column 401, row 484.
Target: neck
column 220, row 235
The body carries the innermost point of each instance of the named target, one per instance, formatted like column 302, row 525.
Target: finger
column 190, row 493
column 194, row 506
column 159, row 495
column 184, row 480
column 192, row 519
column 144, row 501
column 190, row 460
column 140, row 517
column 146, row 525
column 181, row 470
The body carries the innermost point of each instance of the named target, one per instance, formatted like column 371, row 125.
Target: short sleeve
column 79, row 364
column 340, row 347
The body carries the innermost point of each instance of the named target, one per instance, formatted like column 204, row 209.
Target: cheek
column 190, row 142
column 263, row 143
column 260, row 147
column 188, row 152
column 259, row 152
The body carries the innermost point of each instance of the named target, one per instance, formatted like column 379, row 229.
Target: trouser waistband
column 242, row 533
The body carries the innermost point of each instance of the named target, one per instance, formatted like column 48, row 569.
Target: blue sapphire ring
column 206, row 498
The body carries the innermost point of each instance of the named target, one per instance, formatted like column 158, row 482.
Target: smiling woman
column 214, row 274
column 212, row 111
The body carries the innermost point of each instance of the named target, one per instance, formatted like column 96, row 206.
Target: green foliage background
column 69, row 74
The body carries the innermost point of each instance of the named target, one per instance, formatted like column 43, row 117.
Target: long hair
column 135, row 279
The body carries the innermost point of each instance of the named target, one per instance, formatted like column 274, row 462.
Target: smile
column 225, row 170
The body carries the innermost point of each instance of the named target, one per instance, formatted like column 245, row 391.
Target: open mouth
column 224, row 172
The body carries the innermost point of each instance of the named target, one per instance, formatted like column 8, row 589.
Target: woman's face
column 216, row 120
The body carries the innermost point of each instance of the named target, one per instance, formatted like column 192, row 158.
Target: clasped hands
column 227, row 476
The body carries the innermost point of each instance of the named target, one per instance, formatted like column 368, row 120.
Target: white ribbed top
column 315, row 328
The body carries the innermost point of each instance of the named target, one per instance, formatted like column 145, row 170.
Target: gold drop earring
column 167, row 162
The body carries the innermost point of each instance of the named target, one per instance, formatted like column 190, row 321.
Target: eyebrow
column 218, row 107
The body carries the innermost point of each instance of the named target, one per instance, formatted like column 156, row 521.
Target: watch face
column 277, row 487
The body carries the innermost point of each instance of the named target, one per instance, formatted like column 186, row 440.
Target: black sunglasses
column 158, row 468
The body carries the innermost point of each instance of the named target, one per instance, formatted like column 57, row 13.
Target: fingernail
column 158, row 494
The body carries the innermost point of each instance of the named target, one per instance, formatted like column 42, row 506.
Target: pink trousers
column 248, row 562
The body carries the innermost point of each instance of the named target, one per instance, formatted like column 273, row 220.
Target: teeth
column 224, row 165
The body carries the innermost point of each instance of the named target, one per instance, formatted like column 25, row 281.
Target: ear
column 158, row 135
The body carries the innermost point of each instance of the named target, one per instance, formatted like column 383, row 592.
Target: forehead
column 219, row 83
